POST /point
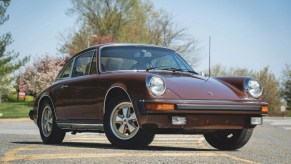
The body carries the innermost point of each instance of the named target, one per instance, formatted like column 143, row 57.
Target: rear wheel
column 121, row 126
column 229, row 139
column 49, row 131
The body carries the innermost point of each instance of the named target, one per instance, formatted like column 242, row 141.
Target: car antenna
column 209, row 55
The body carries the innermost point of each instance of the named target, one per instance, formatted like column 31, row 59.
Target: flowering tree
column 41, row 74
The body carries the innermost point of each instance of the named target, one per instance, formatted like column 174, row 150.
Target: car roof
column 97, row 46
column 125, row 44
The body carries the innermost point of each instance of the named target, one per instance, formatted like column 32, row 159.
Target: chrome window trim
column 75, row 57
column 94, row 54
column 73, row 63
column 57, row 78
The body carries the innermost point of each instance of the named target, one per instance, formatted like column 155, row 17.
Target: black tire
column 229, row 139
column 55, row 135
column 135, row 139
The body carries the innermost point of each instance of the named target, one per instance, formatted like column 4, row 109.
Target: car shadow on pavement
column 109, row 146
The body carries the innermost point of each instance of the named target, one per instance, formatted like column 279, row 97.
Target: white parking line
column 15, row 155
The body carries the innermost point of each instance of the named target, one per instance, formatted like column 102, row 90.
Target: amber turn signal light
column 265, row 109
column 160, row 106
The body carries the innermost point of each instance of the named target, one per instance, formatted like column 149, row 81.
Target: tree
column 219, row 70
column 286, row 85
column 8, row 62
column 125, row 21
column 41, row 73
column 271, row 93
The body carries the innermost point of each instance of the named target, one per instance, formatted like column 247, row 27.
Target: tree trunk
column 17, row 98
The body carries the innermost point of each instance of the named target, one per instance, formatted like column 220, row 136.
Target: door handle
column 64, row 86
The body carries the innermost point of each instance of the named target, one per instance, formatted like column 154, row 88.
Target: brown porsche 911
column 132, row 92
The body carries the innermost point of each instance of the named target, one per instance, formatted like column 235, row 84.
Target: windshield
column 141, row 58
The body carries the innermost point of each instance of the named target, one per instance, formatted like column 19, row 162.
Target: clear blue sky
column 245, row 33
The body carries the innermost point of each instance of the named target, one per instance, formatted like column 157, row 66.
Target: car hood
column 189, row 86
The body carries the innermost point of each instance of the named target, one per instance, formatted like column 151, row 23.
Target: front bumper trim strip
column 218, row 107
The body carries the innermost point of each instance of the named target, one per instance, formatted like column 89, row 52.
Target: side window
column 93, row 65
column 82, row 64
column 66, row 71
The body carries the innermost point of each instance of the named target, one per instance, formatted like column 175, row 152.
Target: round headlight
column 254, row 88
column 156, row 85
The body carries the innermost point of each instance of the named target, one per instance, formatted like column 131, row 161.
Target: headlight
column 253, row 88
column 156, row 85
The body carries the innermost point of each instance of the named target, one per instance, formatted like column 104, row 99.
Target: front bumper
column 204, row 106
column 201, row 114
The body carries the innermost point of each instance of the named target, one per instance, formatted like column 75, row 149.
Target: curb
column 15, row 120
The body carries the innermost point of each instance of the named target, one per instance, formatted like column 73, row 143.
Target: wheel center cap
column 125, row 120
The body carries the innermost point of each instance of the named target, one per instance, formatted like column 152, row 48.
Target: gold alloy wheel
column 47, row 121
column 123, row 121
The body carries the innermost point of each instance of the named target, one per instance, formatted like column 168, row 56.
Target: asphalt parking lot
column 20, row 143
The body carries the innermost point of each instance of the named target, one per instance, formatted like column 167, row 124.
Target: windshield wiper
column 151, row 68
column 180, row 70
column 164, row 68
column 172, row 69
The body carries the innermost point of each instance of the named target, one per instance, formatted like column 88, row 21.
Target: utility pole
column 209, row 55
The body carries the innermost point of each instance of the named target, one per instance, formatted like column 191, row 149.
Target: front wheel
column 121, row 126
column 229, row 139
column 49, row 131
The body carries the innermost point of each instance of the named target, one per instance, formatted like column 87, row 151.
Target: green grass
column 13, row 98
column 15, row 109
